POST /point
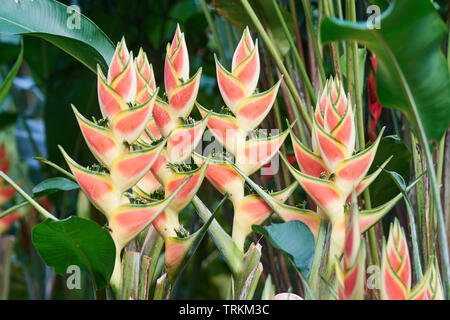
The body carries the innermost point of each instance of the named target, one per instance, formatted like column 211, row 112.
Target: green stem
column 274, row 52
column 36, row 205
column 329, row 12
column 414, row 240
column 353, row 73
column 233, row 256
column 420, row 199
column 315, row 41
column 297, row 58
column 314, row 277
column 212, row 26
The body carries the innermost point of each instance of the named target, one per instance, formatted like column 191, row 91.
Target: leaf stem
column 36, row 205
column 295, row 52
column 314, row 276
column 315, row 41
column 212, row 26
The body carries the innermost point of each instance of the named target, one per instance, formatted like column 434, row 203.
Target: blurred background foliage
column 36, row 117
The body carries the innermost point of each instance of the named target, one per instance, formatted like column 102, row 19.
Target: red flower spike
column 111, row 103
column 145, row 78
column 182, row 98
column 179, row 54
column 252, row 110
column 180, row 90
column 324, row 192
column 248, row 70
column 6, row 193
column 130, row 167
column 98, row 186
column 164, row 118
column 375, row 106
column 243, row 49
column 122, row 73
column 100, row 140
column 395, row 265
column 186, row 194
column 183, row 140
column 309, row 162
column 225, row 129
column 350, row 274
column 350, row 172
column 223, row 177
column 231, row 88
column 257, row 152
column 129, row 124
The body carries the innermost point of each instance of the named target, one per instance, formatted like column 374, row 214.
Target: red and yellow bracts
column 350, row 273
column 127, row 96
column 170, row 120
column 331, row 170
column 247, row 110
column 396, row 273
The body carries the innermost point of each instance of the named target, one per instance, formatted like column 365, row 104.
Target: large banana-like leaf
column 415, row 81
column 62, row 26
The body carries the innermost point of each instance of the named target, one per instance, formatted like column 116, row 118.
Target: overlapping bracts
column 126, row 145
column 331, row 170
column 396, row 273
column 350, row 273
column 234, row 131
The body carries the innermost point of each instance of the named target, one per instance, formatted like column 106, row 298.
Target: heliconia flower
column 128, row 220
column 331, row 170
column 145, row 78
column 350, row 275
column 119, row 87
column 180, row 90
column 167, row 223
column 430, row 287
column 395, row 265
column 247, row 110
column 183, row 139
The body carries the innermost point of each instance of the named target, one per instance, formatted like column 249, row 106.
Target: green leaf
column 76, row 241
column 362, row 54
column 293, row 238
column 7, row 83
column 415, row 79
column 60, row 25
column 384, row 188
column 233, row 11
column 52, row 185
column 398, row 179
